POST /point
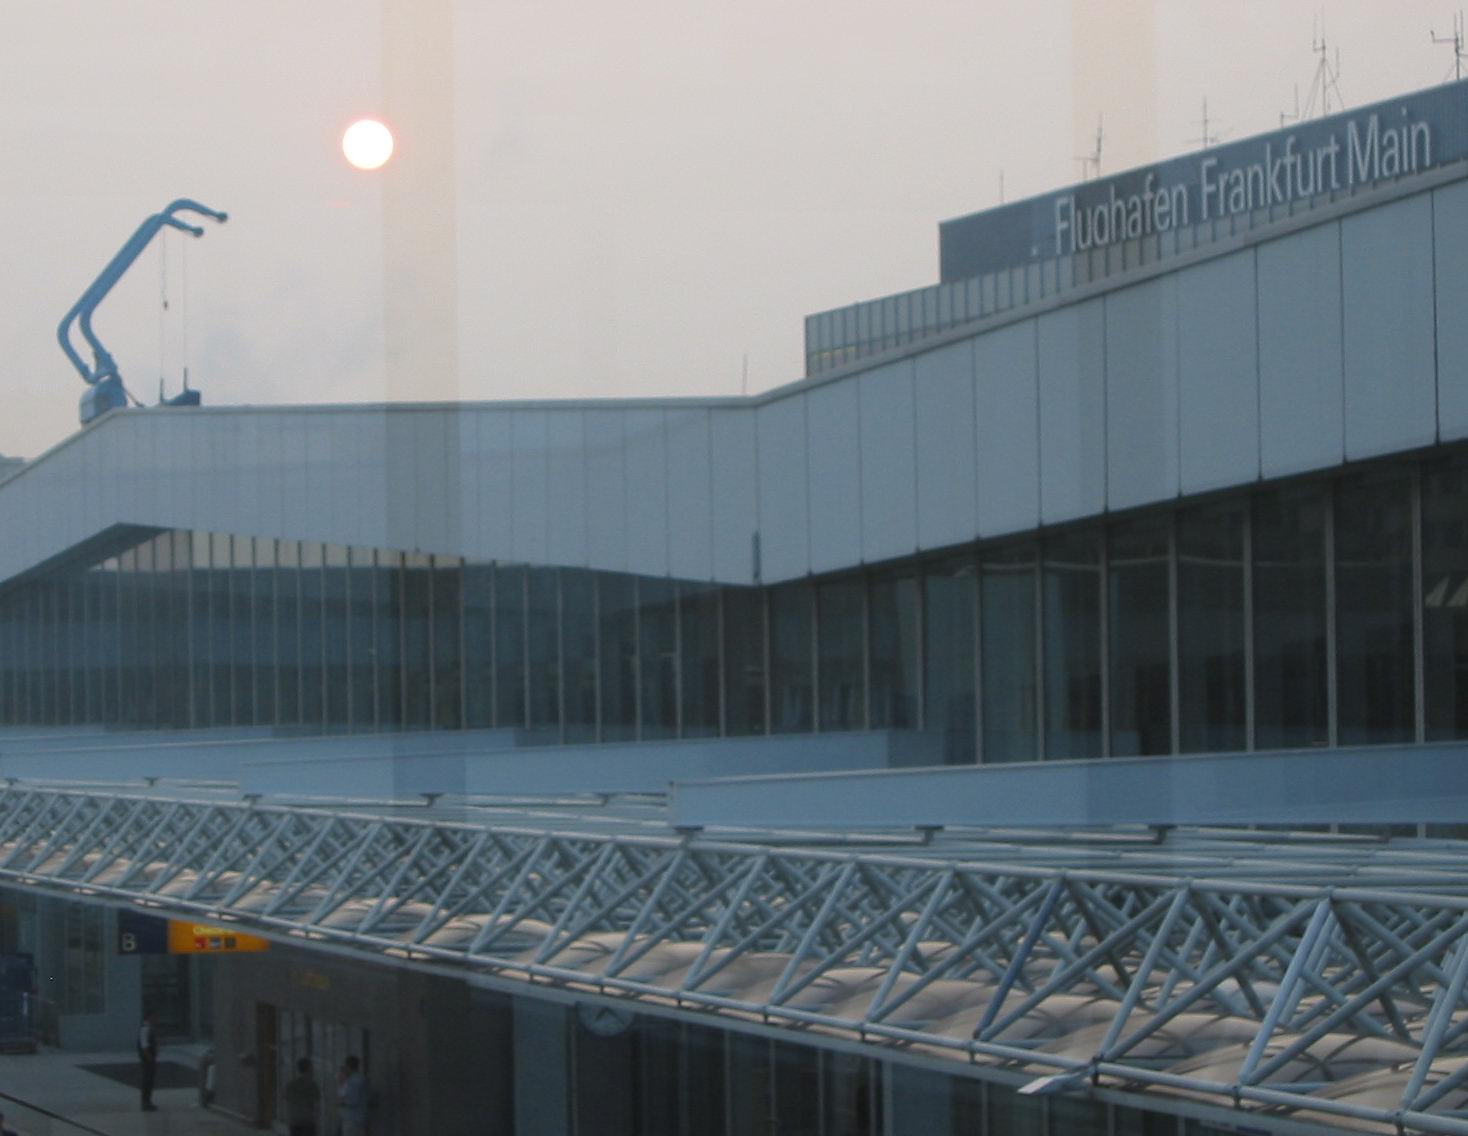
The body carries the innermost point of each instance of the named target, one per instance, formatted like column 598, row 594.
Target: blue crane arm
column 81, row 312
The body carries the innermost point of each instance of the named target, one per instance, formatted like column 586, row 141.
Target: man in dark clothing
column 302, row 1100
column 147, row 1060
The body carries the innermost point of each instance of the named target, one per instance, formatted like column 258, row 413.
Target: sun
column 367, row 144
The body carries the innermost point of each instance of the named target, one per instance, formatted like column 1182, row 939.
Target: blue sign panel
column 1346, row 151
column 139, row 934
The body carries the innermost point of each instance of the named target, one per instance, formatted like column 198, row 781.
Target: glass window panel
column 1210, row 615
column 478, row 645
column 313, row 707
column 288, row 631
column 265, row 628
column 417, row 663
column 387, row 600
column 336, row 638
column 617, row 615
column 1070, row 1116
column 221, row 660
column 698, row 639
column 544, row 631
column 579, row 653
column 792, row 658
column 1290, row 683
column 841, row 634
column 949, row 596
column 1072, row 645
column 1141, row 692
column 893, row 612
column 108, row 641
column 242, row 628
column 658, row 656
column 1007, row 596
column 1373, row 565
column 1445, row 601
column 1013, row 1115
column 448, row 656
column 797, row 1078
column 363, row 632
column 509, row 645
column 744, row 661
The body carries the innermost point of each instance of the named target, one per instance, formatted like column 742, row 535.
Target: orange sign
column 185, row 938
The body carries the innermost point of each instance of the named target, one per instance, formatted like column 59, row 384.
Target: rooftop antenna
column 1208, row 138
column 1456, row 40
column 1327, row 78
column 1091, row 163
column 1285, row 117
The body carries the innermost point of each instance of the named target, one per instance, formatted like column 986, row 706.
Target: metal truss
column 1073, row 965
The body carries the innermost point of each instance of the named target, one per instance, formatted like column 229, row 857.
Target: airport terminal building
column 744, row 759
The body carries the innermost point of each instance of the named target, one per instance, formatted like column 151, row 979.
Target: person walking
column 147, row 1061
column 351, row 1099
column 302, row 1100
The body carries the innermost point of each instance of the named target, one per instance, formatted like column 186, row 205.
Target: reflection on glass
column 417, row 633
column 448, row 650
column 657, row 649
column 287, row 630
column 841, row 620
column 617, row 599
column 1445, row 601
column 1373, row 555
column 312, row 636
column 698, row 638
column 791, row 658
column 894, row 601
column 578, row 653
column 1072, row 651
column 1008, row 667
column 478, row 645
column 1210, row 616
column 544, row 649
column 949, row 596
column 509, row 645
column 363, row 631
column 1141, row 695
column 1290, row 682
column 387, row 601
column 744, row 661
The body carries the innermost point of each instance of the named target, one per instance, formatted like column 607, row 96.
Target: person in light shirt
column 351, row 1099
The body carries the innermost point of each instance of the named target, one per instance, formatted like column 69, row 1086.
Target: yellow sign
column 185, row 938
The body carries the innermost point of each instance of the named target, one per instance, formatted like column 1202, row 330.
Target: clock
column 603, row 1020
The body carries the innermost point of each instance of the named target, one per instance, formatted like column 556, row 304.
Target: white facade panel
column 567, row 530
column 465, row 432
column 1141, row 394
column 1007, row 421
column 947, row 489
column 736, row 494
column 529, row 434
column 647, row 493
column 373, row 491
column 690, row 496
column 431, row 489
column 606, row 490
column 1218, row 374
column 888, row 462
column 1072, row 350
column 783, row 505
column 1301, row 384
column 495, row 483
column 1450, row 231
column 1390, row 339
column 833, row 438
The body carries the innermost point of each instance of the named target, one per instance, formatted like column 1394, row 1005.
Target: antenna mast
column 1091, row 163
column 1456, row 40
column 1327, row 78
column 1208, row 138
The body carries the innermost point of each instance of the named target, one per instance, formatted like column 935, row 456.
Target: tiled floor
column 53, row 1082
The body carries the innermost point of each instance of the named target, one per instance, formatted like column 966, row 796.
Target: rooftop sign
column 1340, row 153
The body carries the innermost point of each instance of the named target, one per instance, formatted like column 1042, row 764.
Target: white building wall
column 1337, row 340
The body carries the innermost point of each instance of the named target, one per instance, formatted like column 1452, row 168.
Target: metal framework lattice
column 1285, row 981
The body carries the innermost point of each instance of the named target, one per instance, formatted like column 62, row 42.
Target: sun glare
column 367, row 144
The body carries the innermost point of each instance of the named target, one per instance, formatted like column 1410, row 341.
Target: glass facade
column 1326, row 611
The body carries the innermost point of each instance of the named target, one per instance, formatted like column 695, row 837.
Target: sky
column 633, row 199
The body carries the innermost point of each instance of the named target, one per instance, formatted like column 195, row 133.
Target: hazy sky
column 646, row 192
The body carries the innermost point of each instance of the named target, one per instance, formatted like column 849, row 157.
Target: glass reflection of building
column 1314, row 612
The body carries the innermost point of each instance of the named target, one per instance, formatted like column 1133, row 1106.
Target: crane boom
column 104, row 384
